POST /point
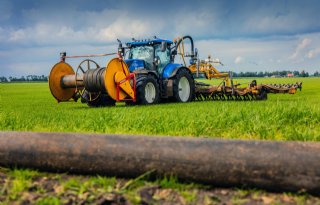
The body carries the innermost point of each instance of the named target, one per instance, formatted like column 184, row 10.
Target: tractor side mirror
column 156, row 60
column 164, row 46
column 120, row 49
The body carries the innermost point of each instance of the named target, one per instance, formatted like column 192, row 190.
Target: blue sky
column 246, row 35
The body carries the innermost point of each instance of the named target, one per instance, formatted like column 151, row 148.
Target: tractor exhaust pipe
column 271, row 165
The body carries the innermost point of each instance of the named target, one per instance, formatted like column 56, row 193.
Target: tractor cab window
column 163, row 56
column 143, row 53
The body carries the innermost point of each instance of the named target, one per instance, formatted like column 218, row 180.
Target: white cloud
column 263, row 54
column 2, row 34
column 239, row 60
column 45, row 31
column 17, row 35
column 29, row 68
column 39, row 60
column 5, row 10
column 197, row 22
column 125, row 28
column 300, row 48
column 313, row 53
column 237, row 55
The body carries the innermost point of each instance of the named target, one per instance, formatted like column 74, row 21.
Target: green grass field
column 30, row 107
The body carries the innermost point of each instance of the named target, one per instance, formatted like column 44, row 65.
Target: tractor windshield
column 143, row 53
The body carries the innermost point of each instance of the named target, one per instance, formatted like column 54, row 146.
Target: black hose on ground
column 271, row 165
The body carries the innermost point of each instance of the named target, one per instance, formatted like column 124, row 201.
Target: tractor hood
column 134, row 64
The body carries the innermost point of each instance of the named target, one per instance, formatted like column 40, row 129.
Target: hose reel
column 90, row 81
column 85, row 67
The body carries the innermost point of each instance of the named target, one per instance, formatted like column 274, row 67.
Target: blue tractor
column 145, row 72
column 157, row 75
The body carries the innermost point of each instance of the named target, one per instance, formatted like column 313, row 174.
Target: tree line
column 28, row 78
column 276, row 74
column 43, row 78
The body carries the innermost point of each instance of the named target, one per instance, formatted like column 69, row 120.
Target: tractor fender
column 170, row 70
column 170, row 79
column 144, row 72
column 174, row 72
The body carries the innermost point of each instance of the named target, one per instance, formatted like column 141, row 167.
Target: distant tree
column 304, row 74
column 296, row 73
column 266, row 74
column 234, row 74
column 278, row 73
column 283, row 73
column 260, row 74
column 29, row 78
column 3, row 79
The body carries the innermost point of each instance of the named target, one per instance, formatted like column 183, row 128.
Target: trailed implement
column 230, row 90
column 252, row 92
column 145, row 72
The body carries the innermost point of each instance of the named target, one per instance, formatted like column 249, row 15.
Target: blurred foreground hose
column 271, row 165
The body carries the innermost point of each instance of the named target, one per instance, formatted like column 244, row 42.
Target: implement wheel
column 262, row 95
column 101, row 101
column 83, row 67
column 183, row 86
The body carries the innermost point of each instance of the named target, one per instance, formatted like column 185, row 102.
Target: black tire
column 263, row 95
column 188, row 82
column 153, row 95
column 102, row 101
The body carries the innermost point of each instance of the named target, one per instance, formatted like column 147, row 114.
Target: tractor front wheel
column 147, row 90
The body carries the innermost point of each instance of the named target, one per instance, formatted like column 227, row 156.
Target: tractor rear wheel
column 147, row 90
column 183, row 86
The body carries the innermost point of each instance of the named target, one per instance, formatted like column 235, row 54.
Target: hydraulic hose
column 181, row 40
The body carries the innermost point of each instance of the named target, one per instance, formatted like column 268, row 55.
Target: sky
column 246, row 35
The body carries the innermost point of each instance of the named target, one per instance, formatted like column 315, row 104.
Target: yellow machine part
column 124, row 83
column 210, row 72
column 117, row 71
column 57, row 72
column 292, row 91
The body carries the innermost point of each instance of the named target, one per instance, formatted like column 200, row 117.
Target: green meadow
column 30, row 107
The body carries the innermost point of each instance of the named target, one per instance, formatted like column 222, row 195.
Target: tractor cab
column 149, row 54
